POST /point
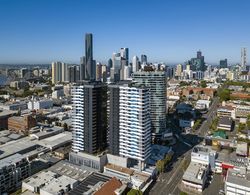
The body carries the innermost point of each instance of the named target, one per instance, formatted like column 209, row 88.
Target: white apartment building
column 135, row 124
column 77, row 119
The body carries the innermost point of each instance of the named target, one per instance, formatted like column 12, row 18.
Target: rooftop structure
column 237, row 182
column 91, row 184
column 69, row 170
column 110, row 187
column 195, row 176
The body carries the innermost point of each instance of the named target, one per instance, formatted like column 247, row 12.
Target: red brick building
column 21, row 123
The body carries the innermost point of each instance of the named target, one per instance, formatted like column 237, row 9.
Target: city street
column 167, row 183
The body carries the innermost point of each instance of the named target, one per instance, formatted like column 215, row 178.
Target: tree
column 134, row 192
column 183, row 193
column 65, row 127
column 224, row 95
column 203, row 84
column 241, row 127
column 214, row 124
column 160, row 165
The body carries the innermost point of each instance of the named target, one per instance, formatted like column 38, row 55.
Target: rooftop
column 109, row 187
column 225, row 121
column 195, row 173
column 56, row 140
column 72, row 171
column 40, row 178
column 238, row 178
column 10, row 160
column 58, row 184
column 119, row 169
column 89, row 184
column 4, row 113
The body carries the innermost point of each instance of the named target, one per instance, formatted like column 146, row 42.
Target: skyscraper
column 56, row 72
column 113, row 118
column 223, row 63
column 90, row 69
column 243, row 58
column 178, row 70
column 82, row 68
column 124, row 56
column 135, row 64
column 135, row 124
column 156, row 82
column 198, row 63
column 116, row 67
column 89, row 119
column 144, row 59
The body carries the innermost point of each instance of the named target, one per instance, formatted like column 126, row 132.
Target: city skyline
column 169, row 32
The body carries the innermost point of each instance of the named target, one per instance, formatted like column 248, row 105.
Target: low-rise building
column 91, row 184
column 49, row 183
column 40, row 104
column 19, row 84
column 237, row 182
column 4, row 115
column 14, row 106
column 57, row 94
column 225, row 123
column 226, row 111
column 203, row 155
column 242, row 111
column 13, row 170
column 195, row 177
column 112, row 187
column 21, row 123
column 202, row 104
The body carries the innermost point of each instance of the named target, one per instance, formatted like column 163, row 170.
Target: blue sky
column 41, row 31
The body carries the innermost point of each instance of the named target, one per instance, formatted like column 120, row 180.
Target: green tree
column 160, row 165
column 241, row 127
column 214, row 124
column 134, row 192
column 203, row 84
column 224, row 95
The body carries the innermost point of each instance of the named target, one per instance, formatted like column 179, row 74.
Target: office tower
column 101, row 72
column 82, row 68
column 124, row 56
column 110, row 63
column 64, row 72
column 104, row 73
column 135, row 64
column 156, row 82
column 170, row 72
column 178, row 70
column 90, row 69
column 198, row 63
column 89, row 119
column 243, row 58
column 223, row 63
column 126, row 72
column 115, row 70
column 199, row 54
column 144, row 59
column 73, row 73
column 135, row 124
column 56, row 72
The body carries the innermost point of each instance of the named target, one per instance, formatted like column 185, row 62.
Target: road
column 167, row 183
column 209, row 116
